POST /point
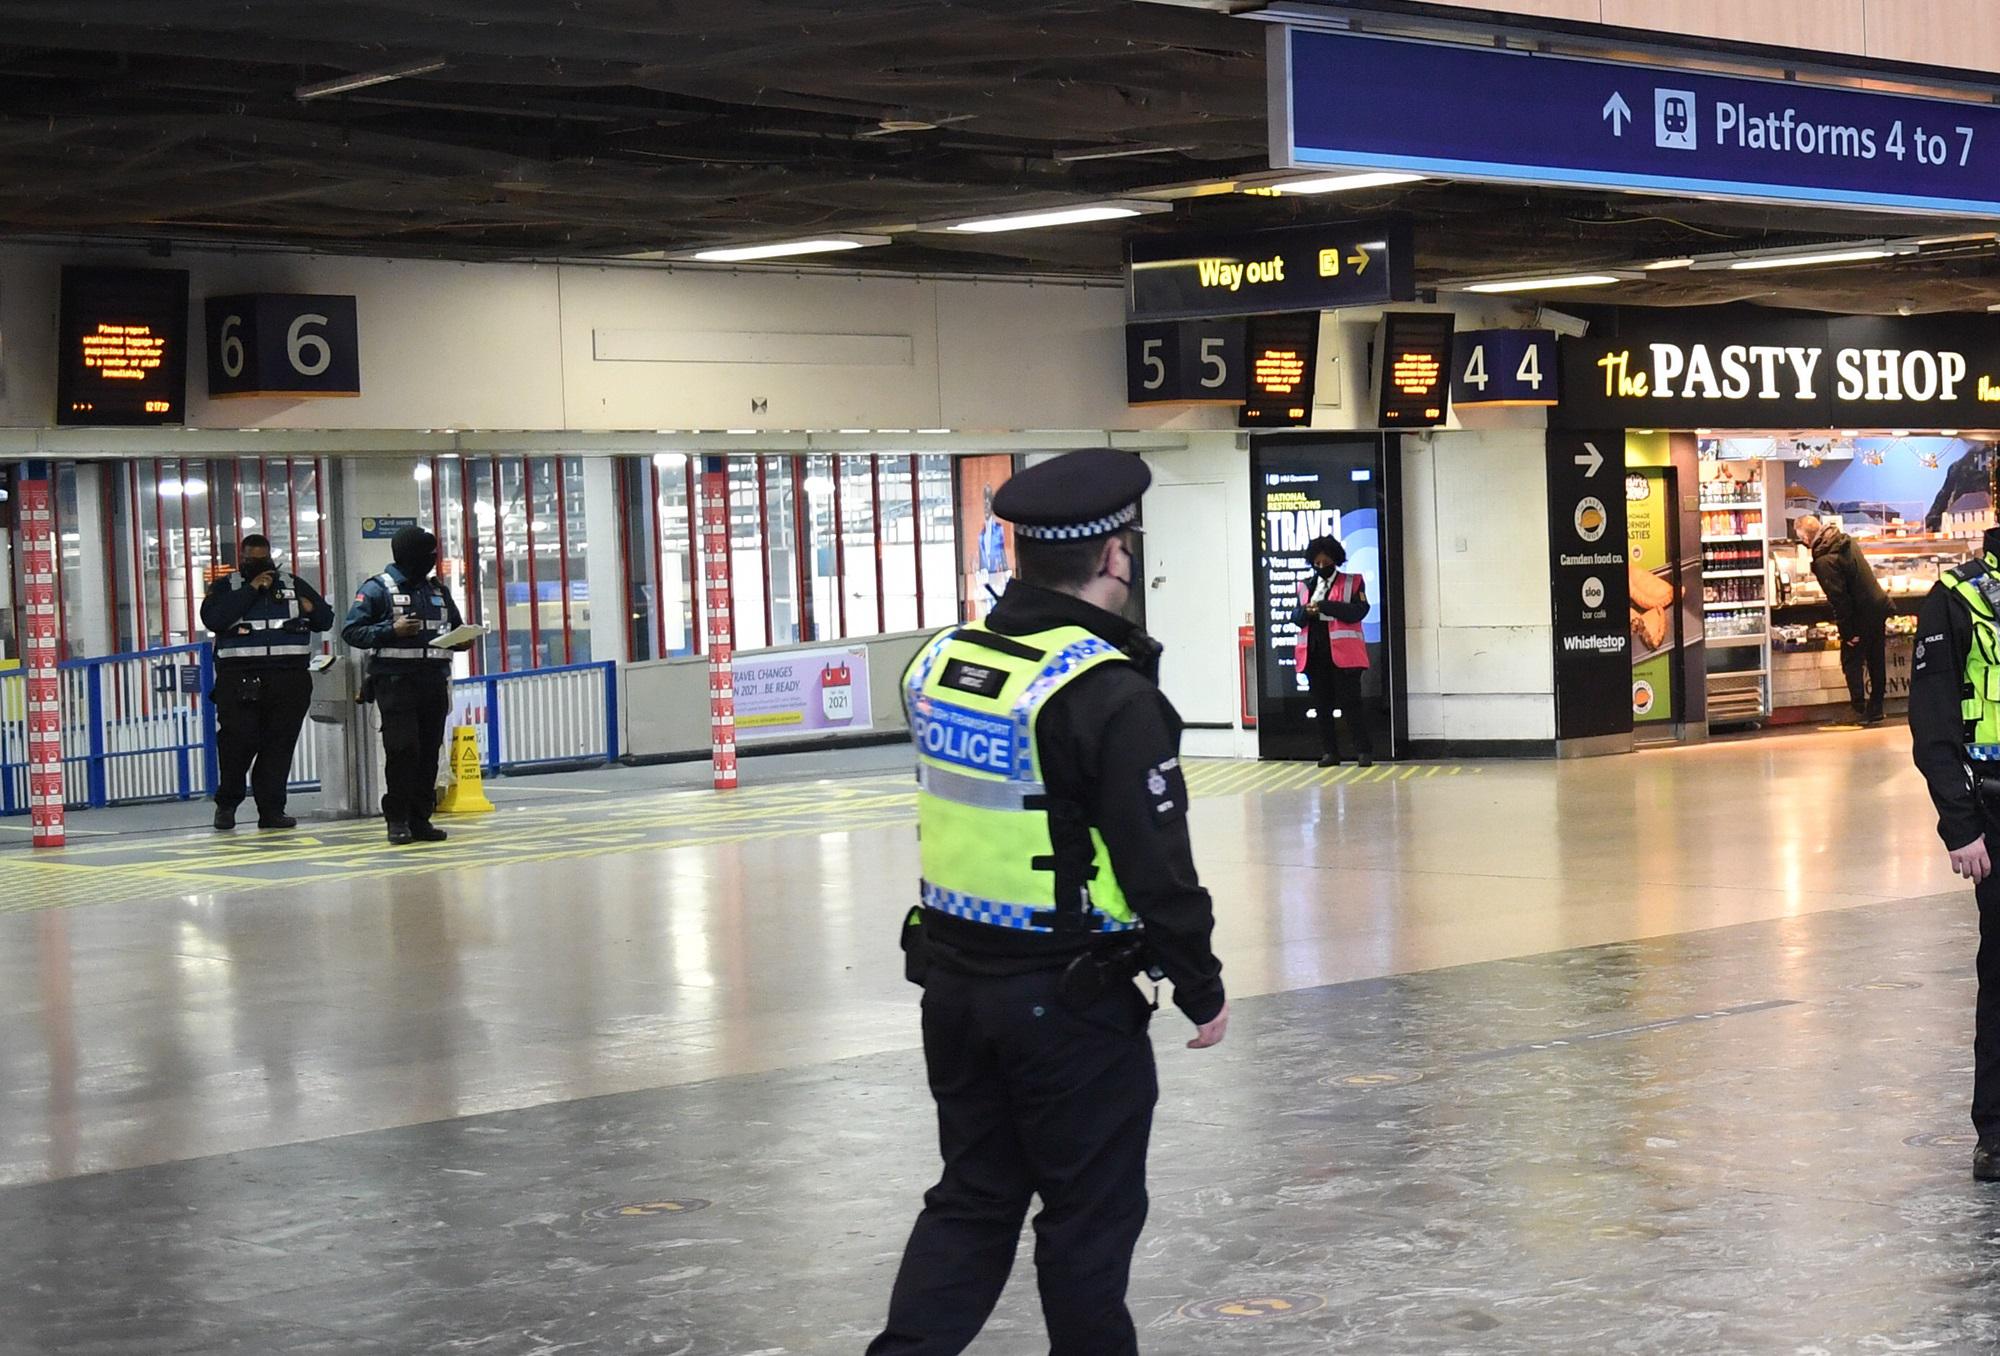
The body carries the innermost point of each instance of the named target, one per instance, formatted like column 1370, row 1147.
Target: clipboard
column 458, row 635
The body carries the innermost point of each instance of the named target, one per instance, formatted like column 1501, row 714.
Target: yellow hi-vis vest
column 1977, row 582
column 983, row 812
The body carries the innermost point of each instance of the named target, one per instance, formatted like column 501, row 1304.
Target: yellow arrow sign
column 1360, row 261
column 1256, row 1308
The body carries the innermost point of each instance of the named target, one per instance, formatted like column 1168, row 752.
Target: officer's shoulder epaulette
column 1966, row 571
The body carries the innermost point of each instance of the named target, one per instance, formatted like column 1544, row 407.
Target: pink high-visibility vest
column 1346, row 640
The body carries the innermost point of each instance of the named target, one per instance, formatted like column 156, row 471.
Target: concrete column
column 604, row 563
column 87, row 588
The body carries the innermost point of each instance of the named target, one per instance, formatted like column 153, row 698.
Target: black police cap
column 1074, row 497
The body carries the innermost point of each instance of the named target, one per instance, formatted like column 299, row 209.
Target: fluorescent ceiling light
column 1658, row 264
column 1805, row 260
column 1806, row 256
column 1546, row 284
column 784, row 249
column 1057, row 216
column 1342, row 183
column 347, row 84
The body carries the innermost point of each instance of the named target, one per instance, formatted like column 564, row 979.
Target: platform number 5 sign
column 283, row 346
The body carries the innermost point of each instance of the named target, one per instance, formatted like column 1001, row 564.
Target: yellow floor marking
column 123, row 869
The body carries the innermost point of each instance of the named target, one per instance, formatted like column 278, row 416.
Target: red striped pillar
column 38, row 653
column 720, row 618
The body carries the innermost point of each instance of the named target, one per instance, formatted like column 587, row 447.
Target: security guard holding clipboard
column 1056, row 868
column 396, row 615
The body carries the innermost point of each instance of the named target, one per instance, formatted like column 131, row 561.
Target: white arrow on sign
column 1592, row 461
column 1617, row 112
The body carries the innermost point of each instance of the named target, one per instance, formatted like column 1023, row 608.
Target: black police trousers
column 415, row 704
column 259, row 711
column 1033, row 1099
column 1986, row 1019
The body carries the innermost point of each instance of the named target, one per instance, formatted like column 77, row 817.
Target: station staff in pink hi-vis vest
column 1333, row 652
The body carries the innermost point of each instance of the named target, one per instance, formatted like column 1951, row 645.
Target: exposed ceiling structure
column 577, row 128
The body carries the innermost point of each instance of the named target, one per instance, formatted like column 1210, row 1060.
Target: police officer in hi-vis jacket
column 1056, row 867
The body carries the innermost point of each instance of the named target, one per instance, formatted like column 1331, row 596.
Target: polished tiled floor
column 1655, row 1054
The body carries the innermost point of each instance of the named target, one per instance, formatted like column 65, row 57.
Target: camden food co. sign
column 1750, row 367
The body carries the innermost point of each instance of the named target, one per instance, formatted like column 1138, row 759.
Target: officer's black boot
column 426, row 832
column 225, row 816
column 1986, row 1161
column 281, row 820
column 400, row 835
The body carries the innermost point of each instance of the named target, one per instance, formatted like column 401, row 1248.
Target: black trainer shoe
column 1986, row 1161
column 1329, row 762
column 276, row 822
column 400, row 835
column 1367, row 762
column 427, row 832
column 225, row 816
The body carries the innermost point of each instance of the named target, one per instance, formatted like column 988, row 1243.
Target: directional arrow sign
column 1617, row 112
column 1293, row 268
column 1591, row 460
column 1350, row 100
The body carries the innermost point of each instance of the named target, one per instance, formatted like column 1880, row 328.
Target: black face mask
column 252, row 566
column 1327, row 571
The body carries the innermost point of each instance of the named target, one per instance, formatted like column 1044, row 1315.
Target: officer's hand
column 263, row 581
column 461, row 647
column 408, row 626
column 305, row 605
column 1972, row 861
column 1211, row 1033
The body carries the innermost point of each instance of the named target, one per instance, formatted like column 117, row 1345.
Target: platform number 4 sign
column 283, row 347
column 1503, row 367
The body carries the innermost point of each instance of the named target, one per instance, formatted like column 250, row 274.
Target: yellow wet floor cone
column 467, row 793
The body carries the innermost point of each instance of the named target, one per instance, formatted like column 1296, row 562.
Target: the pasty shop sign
column 1744, row 366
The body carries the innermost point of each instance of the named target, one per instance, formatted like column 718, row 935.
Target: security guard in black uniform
column 264, row 621
column 394, row 617
column 1955, row 736
column 1056, row 867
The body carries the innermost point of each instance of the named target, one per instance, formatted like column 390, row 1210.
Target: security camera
column 1906, row 308
column 1562, row 322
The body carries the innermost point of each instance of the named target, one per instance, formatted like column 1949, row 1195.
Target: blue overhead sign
column 1520, row 117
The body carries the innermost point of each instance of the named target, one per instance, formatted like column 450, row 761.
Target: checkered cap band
column 1097, row 527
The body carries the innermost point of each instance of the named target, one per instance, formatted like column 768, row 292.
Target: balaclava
column 415, row 552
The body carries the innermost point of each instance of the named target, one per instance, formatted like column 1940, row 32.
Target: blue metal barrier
column 135, row 727
column 140, row 727
column 541, row 717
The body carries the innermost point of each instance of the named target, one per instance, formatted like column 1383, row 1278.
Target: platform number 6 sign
column 283, row 346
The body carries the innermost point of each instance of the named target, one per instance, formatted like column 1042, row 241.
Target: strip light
column 1058, row 216
column 785, row 249
column 1806, row 260
column 1343, row 183
column 1806, row 256
column 1545, row 284
column 347, row 84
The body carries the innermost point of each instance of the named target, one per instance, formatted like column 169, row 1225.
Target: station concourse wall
column 537, row 347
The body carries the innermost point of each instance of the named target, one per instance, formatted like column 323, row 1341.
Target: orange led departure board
column 122, row 347
column 1415, row 365
column 1283, row 354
